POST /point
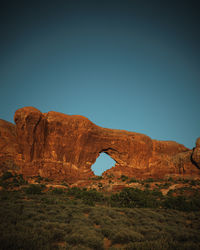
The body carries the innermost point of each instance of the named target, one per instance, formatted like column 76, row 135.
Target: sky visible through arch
column 102, row 163
column 131, row 65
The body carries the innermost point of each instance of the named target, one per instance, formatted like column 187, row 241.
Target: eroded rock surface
column 64, row 147
column 195, row 157
column 8, row 145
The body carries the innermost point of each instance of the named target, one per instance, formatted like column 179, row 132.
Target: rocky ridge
column 64, row 147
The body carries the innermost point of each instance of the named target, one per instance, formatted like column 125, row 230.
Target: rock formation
column 64, row 147
column 8, row 145
column 195, row 157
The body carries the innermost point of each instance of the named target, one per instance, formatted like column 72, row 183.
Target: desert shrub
column 78, row 247
column 184, row 181
column 130, row 197
column 74, row 191
column 124, row 177
column 182, row 236
column 97, row 216
column 48, row 200
column 186, row 246
column 39, row 178
column 100, row 185
column 195, row 203
column 194, row 182
column 57, row 235
column 65, row 184
column 150, row 233
column 5, row 179
column 170, row 179
column 97, row 178
column 17, row 181
column 110, row 176
column 4, row 195
column 182, row 203
column 88, row 201
column 89, row 197
column 121, row 200
column 34, row 189
column 8, row 180
column 170, row 192
column 47, row 179
column 157, row 193
column 21, row 179
column 58, row 191
column 4, row 184
column 107, row 231
column 174, row 202
column 87, row 237
column 6, row 175
column 147, row 185
column 93, row 194
column 125, row 235
column 132, row 180
column 160, row 244
column 163, row 185
column 23, row 238
column 150, row 180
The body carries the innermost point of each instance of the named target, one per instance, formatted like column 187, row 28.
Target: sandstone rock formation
column 8, row 145
column 195, row 157
column 64, row 147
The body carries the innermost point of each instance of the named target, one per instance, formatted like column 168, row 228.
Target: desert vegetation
column 35, row 216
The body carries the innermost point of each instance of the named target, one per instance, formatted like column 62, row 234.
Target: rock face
column 195, row 157
column 8, row 145
column 64, row 147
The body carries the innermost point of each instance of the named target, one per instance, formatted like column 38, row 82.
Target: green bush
column 124, row 236
column 89, row 197
column 130, row 197
column 170, row 179
column 21, row 180
column 157, row 193
column 110, row 176
column 163, row 185
column 87, row 237
column 97, row 178
column 182, row 203
column 34, row 189
column 8, row 180
column 6, row 175
column 133, row 197
column 150, row 180
column 124, row 177
column 58, row 191
column 193, row 183
column 160, row 244
column 74, row 191
column 4, row 195
column 132, row 180
column 147, row 185
column 88, row 201
column 23, row 238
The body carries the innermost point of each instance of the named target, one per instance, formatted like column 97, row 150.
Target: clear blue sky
column 130, row 65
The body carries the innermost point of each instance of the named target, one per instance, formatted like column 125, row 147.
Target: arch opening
column 102, row 163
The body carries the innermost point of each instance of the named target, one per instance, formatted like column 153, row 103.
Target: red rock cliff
column 60, row 146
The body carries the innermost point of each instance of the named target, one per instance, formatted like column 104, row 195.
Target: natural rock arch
column 62, row 146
